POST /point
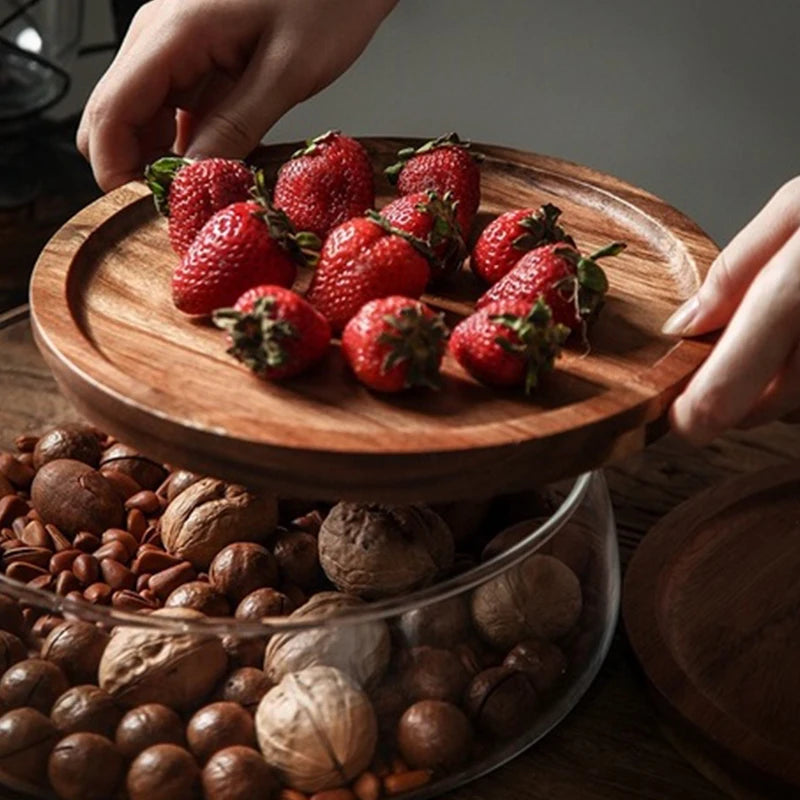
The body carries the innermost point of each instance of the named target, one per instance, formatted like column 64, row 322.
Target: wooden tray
column 710, row 604
column 131, row 363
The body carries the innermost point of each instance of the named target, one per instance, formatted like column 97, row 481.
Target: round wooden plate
column 710, row 604
column 104, row 321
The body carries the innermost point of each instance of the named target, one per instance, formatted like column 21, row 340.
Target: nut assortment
column 351, row 709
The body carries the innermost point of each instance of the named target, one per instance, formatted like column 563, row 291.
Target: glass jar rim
column 268, row 626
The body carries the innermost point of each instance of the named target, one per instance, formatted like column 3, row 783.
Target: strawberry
column 444, row 165
column 395, row 342
column 508, row 343
column 431, row 219
column 508, row 237
column 275, row 332
column 244, row 245
column 189, row 193
column 364, row 259
column 573, row 285
column 326, row 183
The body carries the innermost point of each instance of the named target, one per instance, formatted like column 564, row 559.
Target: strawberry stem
column 541, row 227
column 404, row 155
column 257, row 336
column 159, row 176
column 312, row 145
column 418, row 244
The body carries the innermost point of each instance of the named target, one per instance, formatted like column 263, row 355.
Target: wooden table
column 611, row 746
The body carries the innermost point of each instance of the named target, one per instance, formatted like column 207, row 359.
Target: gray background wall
column 695, row 101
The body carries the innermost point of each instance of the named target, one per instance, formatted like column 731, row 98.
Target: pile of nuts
column 348, row 710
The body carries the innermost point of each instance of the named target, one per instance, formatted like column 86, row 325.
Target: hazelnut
column 377, row 551
column 211, row 514
column 502, row 702
column 434, row 735
column 360, row 649
column 26, row 739
column 178, row 481
column 543, row 662
column 11, row 616
column 164, row 772
column 85, row 766
column 509, row 537
column 218, row 726
column 297, row 557
column 201, row 597
column 12, row 650
column 143, row 665
column 538, row 598
column 146, row 725
column 241, row 568
column 264, row 603
column 434, row 674
column 33, row 682
column 245, row 686
column 86, row 709
column 237, row 773
column 74, row 497
column 147, row 473
column 317, row 729
column 75, row 441
column 245, row 651
column 77, row 648
column 442, row 624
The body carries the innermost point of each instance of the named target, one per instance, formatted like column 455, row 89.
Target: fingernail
column 682, row 318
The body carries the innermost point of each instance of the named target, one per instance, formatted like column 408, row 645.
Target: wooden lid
column 104, row 321
column 710, row 604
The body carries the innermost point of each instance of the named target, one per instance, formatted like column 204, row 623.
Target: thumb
column 737, row 265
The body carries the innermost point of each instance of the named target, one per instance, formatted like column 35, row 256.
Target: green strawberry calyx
column 541, row 227
column 420, row 245
column 537, row 340
column 312, row 146
column 589, row 284
column 302, row 246
column 159, row 176
column 258, row 337
column 416, row 340
column 445, row 230
column 405, row 154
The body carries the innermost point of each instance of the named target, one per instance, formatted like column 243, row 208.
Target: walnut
column 361, row 650
column 538, row 598
column 211, row 514
column 317, row 729
column 378, row 551
column 179, row 670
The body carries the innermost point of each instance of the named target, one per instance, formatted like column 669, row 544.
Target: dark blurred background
column 696, row 102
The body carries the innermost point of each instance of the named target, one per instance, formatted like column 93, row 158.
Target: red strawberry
column 573, row 285
column 395, row 342
column 325, row 184
column 275, row 332
column 508, row 343
column 444, row 165
column 244, row 245
column 431, row 219
column 360, row 261
column 189, row 193
column 508, row 237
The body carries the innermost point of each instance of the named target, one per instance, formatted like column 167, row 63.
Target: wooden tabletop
column 611, row 747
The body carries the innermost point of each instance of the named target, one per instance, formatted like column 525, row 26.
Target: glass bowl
column 411, row 694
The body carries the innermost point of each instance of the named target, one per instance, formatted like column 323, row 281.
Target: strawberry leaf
column 159, row 176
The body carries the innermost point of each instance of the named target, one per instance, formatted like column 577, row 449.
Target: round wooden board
column 710, row 605
column 104, row 321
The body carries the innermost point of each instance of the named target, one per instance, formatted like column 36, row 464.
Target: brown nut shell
column 164, row 772
column 238, row 773
column 32, row 682
column 77, row 648
column 376, row 551
column 146, row 725
column 211, row 514
column 317, row 729
column 75, row 441
column 436, row 735
column 142, row 665
column 27, row 738
column 85, row 766
column 86, row 709
column 217, row 726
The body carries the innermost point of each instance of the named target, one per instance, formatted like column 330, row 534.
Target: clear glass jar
column 411, row 694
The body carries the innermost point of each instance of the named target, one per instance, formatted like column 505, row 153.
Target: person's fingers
column 737, row 265
column 781, row 398
column 754, row 348
column 265, row 91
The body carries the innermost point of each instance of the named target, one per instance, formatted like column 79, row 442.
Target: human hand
column 753, row 373
column 210, row 77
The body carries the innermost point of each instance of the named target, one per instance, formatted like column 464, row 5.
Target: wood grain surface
column 135, row 366
column 711, row 607
column 616, row 745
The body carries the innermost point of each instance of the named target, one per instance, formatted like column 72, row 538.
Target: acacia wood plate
column 710, row 605
column 131, row 363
